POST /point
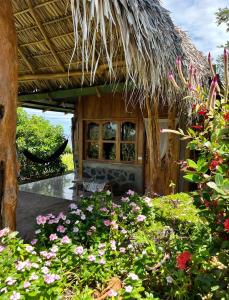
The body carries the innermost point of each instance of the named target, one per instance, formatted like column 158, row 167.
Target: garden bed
column 137, row 249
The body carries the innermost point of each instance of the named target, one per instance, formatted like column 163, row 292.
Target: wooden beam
column 8, row 97
column 72, row 93
column 42, row 29
column 25, row 59
column 52, row 76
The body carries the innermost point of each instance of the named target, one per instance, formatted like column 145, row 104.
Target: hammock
column 48, row 159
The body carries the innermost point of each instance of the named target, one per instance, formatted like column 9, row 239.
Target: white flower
column 108, row 193
column 128, row 288
column 37, row 231
column 133, row 276
column 75, row 229
column 169, row 279
column 45, row 270
column 83, row 217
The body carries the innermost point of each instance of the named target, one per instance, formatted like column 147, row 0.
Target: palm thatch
column 64, row 45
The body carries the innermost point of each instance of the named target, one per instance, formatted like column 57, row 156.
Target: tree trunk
column 8, row 96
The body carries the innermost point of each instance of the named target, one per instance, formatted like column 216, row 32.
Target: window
column 110, row 140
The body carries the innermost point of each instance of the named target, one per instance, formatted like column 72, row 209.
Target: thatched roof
column 63, row 45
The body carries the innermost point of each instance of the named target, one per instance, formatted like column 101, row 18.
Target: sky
column 197, row 18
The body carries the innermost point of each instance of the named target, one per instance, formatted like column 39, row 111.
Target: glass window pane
column 127, row 152
column 128, row 131
column 93, row 131
column 109, row 151
column 92, row 150
column 109, row 131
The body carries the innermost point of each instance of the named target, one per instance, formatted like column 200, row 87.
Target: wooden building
column 106, row 62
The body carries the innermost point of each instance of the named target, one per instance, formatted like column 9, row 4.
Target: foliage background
column 37, row 135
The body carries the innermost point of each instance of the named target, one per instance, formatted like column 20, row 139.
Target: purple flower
column 112, row 293
column 62, row 216
column 1, row 248
column 101, row 252
column 104, row 209
column 130, row 192
column 91, row 258
column 34, row 241
column 15, row 296
column 65, row 240
column 53, row 237
column 79, row 250
column 141, row 218
column 41, row 220
column 22, row 265
column 61, row 229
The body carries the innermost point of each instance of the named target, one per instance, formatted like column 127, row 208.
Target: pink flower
column 125, row 199
column 48, row 255
column 73, row 206
column 61, row 229
column 34, row 241
column 107, row 222
column 101, row 252
column 62, row 216
column 102, row 261
column 26, row 284
column 122, row 250
column 112, row 293
column 141, row 218
column 15, row 296
column 65, row 240
column 130, row 192
column 91, row 258
column 79, row 250
column 45, row 270
column 29, row 248
column 104, row 209
column 33, row 276
column 114, row 225
column 226, row 225
column 1, row 248
column 10, row 281
column 128, row 288
column 41, row 220
column 4, row 232
column 53, row 237
column 50, row 278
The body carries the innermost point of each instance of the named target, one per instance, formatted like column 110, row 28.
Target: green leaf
column 193, row 178
column 192, row 164
column 219, row 179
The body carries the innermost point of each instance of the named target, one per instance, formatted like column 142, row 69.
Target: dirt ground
column 31, row 205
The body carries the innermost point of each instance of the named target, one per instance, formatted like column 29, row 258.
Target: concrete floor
column 31, row 205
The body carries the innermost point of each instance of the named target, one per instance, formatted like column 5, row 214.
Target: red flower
column 182, row 259
column 226, row 117
column 216, row 161
column 203, row 111
column 226, row 225
column 197, row 127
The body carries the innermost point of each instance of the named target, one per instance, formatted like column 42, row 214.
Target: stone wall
column 121, row 176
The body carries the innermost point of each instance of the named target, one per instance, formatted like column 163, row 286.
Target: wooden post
column 170, row 168
column 153, row 144
column 8, row 96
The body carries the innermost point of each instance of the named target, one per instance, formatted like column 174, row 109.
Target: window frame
column 118, row 141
